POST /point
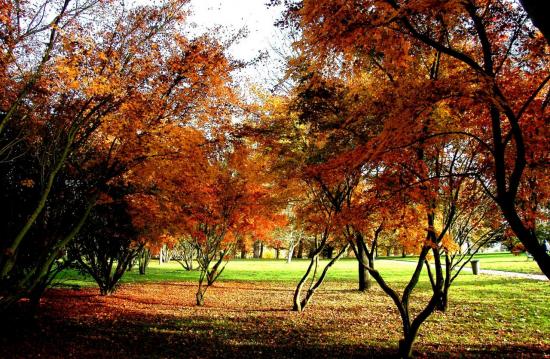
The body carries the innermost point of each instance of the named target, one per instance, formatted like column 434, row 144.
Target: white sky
column 259, row 21
column 235, row 14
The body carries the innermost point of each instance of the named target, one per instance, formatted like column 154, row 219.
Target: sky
column 235, row 14
column 256, row 17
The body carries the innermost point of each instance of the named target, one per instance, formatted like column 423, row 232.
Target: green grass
column 265, row 270
column 496, row 261
column 395, row 270
column 508, row 262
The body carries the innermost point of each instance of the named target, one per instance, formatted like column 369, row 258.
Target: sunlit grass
column 264, row 270
column 498, row 261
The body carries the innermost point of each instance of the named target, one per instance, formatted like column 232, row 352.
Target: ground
column 248, row 315
column 519, row 263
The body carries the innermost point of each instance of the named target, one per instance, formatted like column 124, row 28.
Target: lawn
column 249, row 270
column 497, row 261
column 247, row 314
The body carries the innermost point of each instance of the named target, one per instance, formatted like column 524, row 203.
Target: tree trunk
column 277, row 252
column 290, row 253
column 297, row 293
column 329, row 252
column 164, row 256
column 443, row 304
column 261, row 249
column 300, row 252
column 34, row 299
column 538, row 13
column 527, row 238
column 200, row 298
column 143, row 260
column 364, row 275
column 106, row 289
column 257, row 250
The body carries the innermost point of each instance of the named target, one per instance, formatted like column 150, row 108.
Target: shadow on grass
column 82, row 325
column 152, row 336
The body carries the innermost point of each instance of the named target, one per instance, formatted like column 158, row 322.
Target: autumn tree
column 409, row 155
column 106, row 245
column 241, row 205
column 301, row 133
column 213, row 193
column 319, row 212
column 103, row 96
column 495, row 84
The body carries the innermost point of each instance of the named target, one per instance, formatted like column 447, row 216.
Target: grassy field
column 247, row 314
column 280, row 271
column 249, row 270
column 497, row 261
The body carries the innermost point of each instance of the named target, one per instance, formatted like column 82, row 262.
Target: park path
column 495, row 272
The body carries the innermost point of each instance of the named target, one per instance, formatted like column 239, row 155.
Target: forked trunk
column 364, row 275
column 143, row 261
column 106, row 290
column 297, row 307
column 199, row 296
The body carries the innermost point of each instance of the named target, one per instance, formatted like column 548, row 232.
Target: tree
column 214, row 193
column 107, row 96
column 106, row 245
column 184, row 252
column 238, row 202
column 496, row 75
column 319, row 215
column 538, row 16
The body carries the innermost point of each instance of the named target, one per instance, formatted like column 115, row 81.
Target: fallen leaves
column 244, row 320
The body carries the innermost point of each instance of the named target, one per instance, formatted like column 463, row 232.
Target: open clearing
column 500, row 261
column 247, row 314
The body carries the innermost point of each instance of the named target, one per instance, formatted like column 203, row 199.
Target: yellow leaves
column 67, row 70
column 449, row 245
column 102, row 56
